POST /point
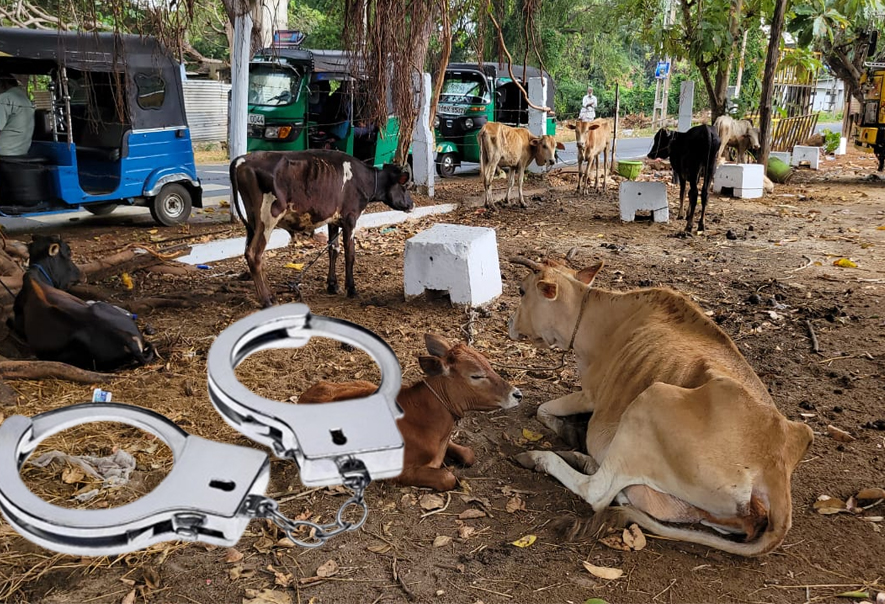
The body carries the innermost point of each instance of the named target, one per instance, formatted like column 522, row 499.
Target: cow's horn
column 526, row 262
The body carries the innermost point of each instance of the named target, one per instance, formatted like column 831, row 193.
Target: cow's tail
column 483, row 149
column 712, row 155
column 235, row 195
column 779, row 519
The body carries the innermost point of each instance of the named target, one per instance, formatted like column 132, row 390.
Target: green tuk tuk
column 473, row 95
column 314, row 99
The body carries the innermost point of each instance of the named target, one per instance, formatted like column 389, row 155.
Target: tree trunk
column 719, row 96
column 771, row 59
column 445, row 53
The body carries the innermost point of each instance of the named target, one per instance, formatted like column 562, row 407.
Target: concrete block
column 802, row 154
column 460, row 260
column 648, row 196
column 738, row 176
column 843, row 146
column 747, row 193
column 784, row 156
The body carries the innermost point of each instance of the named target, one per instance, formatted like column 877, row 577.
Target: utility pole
column 662, row 85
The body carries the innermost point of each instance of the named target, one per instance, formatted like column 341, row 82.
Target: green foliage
column 831, row 140
column 321, row 20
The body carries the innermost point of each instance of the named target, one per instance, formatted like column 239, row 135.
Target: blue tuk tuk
column 110, row 127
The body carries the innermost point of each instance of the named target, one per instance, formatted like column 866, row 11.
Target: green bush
column 831, row 140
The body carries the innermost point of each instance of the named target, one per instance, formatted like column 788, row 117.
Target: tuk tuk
column 473, row 95
column 870, row 132
column 315, row 99
column 109, row 127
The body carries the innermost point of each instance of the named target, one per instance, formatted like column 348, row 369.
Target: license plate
column 451, row 109
column 256, row 118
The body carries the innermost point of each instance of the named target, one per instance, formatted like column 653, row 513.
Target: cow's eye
column 477, row 377
column 521, row 291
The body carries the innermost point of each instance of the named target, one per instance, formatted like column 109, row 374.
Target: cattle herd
column 684, row 438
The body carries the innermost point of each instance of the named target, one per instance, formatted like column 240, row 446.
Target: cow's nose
column 517, row 394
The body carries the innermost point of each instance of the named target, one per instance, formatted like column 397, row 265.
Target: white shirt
column 588, row 108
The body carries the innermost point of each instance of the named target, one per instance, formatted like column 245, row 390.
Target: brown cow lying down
column 682, row 431
column 501, row 146
column 457, row 379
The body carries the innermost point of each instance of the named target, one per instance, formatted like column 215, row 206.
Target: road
column 216, row 187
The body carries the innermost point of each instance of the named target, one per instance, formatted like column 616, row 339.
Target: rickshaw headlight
column 436, row 121
column 468, row 123
column 277, row 132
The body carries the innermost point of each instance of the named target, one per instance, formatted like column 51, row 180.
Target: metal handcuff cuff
column 215, row 489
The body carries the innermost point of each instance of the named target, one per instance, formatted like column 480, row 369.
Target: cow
column 58, row 326
column 593, row 138
column 501, row 146
column 457, row 379
column 682, row 431
column 690, row 153
column 301, row 191
column 740, row 135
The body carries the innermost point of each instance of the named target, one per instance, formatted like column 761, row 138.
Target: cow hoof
column 272, row 301
column 351, row 293
column 683, row 234
column 532, row 460
column 333, row 289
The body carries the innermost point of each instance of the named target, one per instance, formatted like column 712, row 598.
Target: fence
column 206, row 105
column 790, row 131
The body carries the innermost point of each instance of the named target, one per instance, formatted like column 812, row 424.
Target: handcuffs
column 214, row 489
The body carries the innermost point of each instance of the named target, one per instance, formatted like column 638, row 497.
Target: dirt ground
column 764, row 271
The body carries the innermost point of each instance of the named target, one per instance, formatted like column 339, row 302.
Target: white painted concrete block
column 648, row 196
column 784, row 156
column 747, row 193
column 803, row 154
column 461, row 260
column 738, row 176
column 843, row 146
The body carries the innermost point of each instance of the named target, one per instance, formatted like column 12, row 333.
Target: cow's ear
column 587, row 275
column 570, row 126
column 54, row 249
column 560, row 146
column 534, row 142
column 403, row 178
column 548, row 289
column 436, row 345
column 432, row 366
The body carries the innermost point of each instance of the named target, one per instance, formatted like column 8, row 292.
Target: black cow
column 300, row 191
column 690, row 153
column 61, row 327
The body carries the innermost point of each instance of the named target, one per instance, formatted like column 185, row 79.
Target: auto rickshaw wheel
column 446, row 164
column 100, row 209
column 172, row 205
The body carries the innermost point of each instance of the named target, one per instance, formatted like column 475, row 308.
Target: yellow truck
column 870, row 132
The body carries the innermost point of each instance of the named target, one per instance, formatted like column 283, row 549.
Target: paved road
column 216, row 187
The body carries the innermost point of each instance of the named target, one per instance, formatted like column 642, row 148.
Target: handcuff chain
column 356, row 478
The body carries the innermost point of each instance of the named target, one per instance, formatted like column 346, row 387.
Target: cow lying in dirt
column 58, row 326
column 593, row 138
column 739, row 135
column 301, row 191
column 457, row 379
column 682, row 431
column 501, row 146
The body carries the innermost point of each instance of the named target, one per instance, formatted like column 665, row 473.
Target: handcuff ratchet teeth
column 214, row 489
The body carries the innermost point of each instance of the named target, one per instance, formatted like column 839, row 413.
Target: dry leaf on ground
column 634, row 538
column 381, row 548
column 514, row 503
column 530, row 435
column 471, row 513
column 838, row 434
column 328, row 569
column 442, row 541
column 128, row 598
column 266, row 596
column 829, row 505
column 465, row 532
column 525, row 541
column 603, row 572
column 281, row 579
column 233, row 555
column 615, row 542
column 870, row 494
column 431, row 501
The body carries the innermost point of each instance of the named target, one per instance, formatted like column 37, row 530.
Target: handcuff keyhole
column 338, row 437
column 223, row 485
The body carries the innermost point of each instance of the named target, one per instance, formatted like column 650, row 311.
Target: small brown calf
column 457, row 379
column 593, row 139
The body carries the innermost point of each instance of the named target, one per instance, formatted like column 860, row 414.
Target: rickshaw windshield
column 464, row 88
column 273, row 86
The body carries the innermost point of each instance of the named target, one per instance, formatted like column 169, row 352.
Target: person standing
column 16, row 118
column 588, row 106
